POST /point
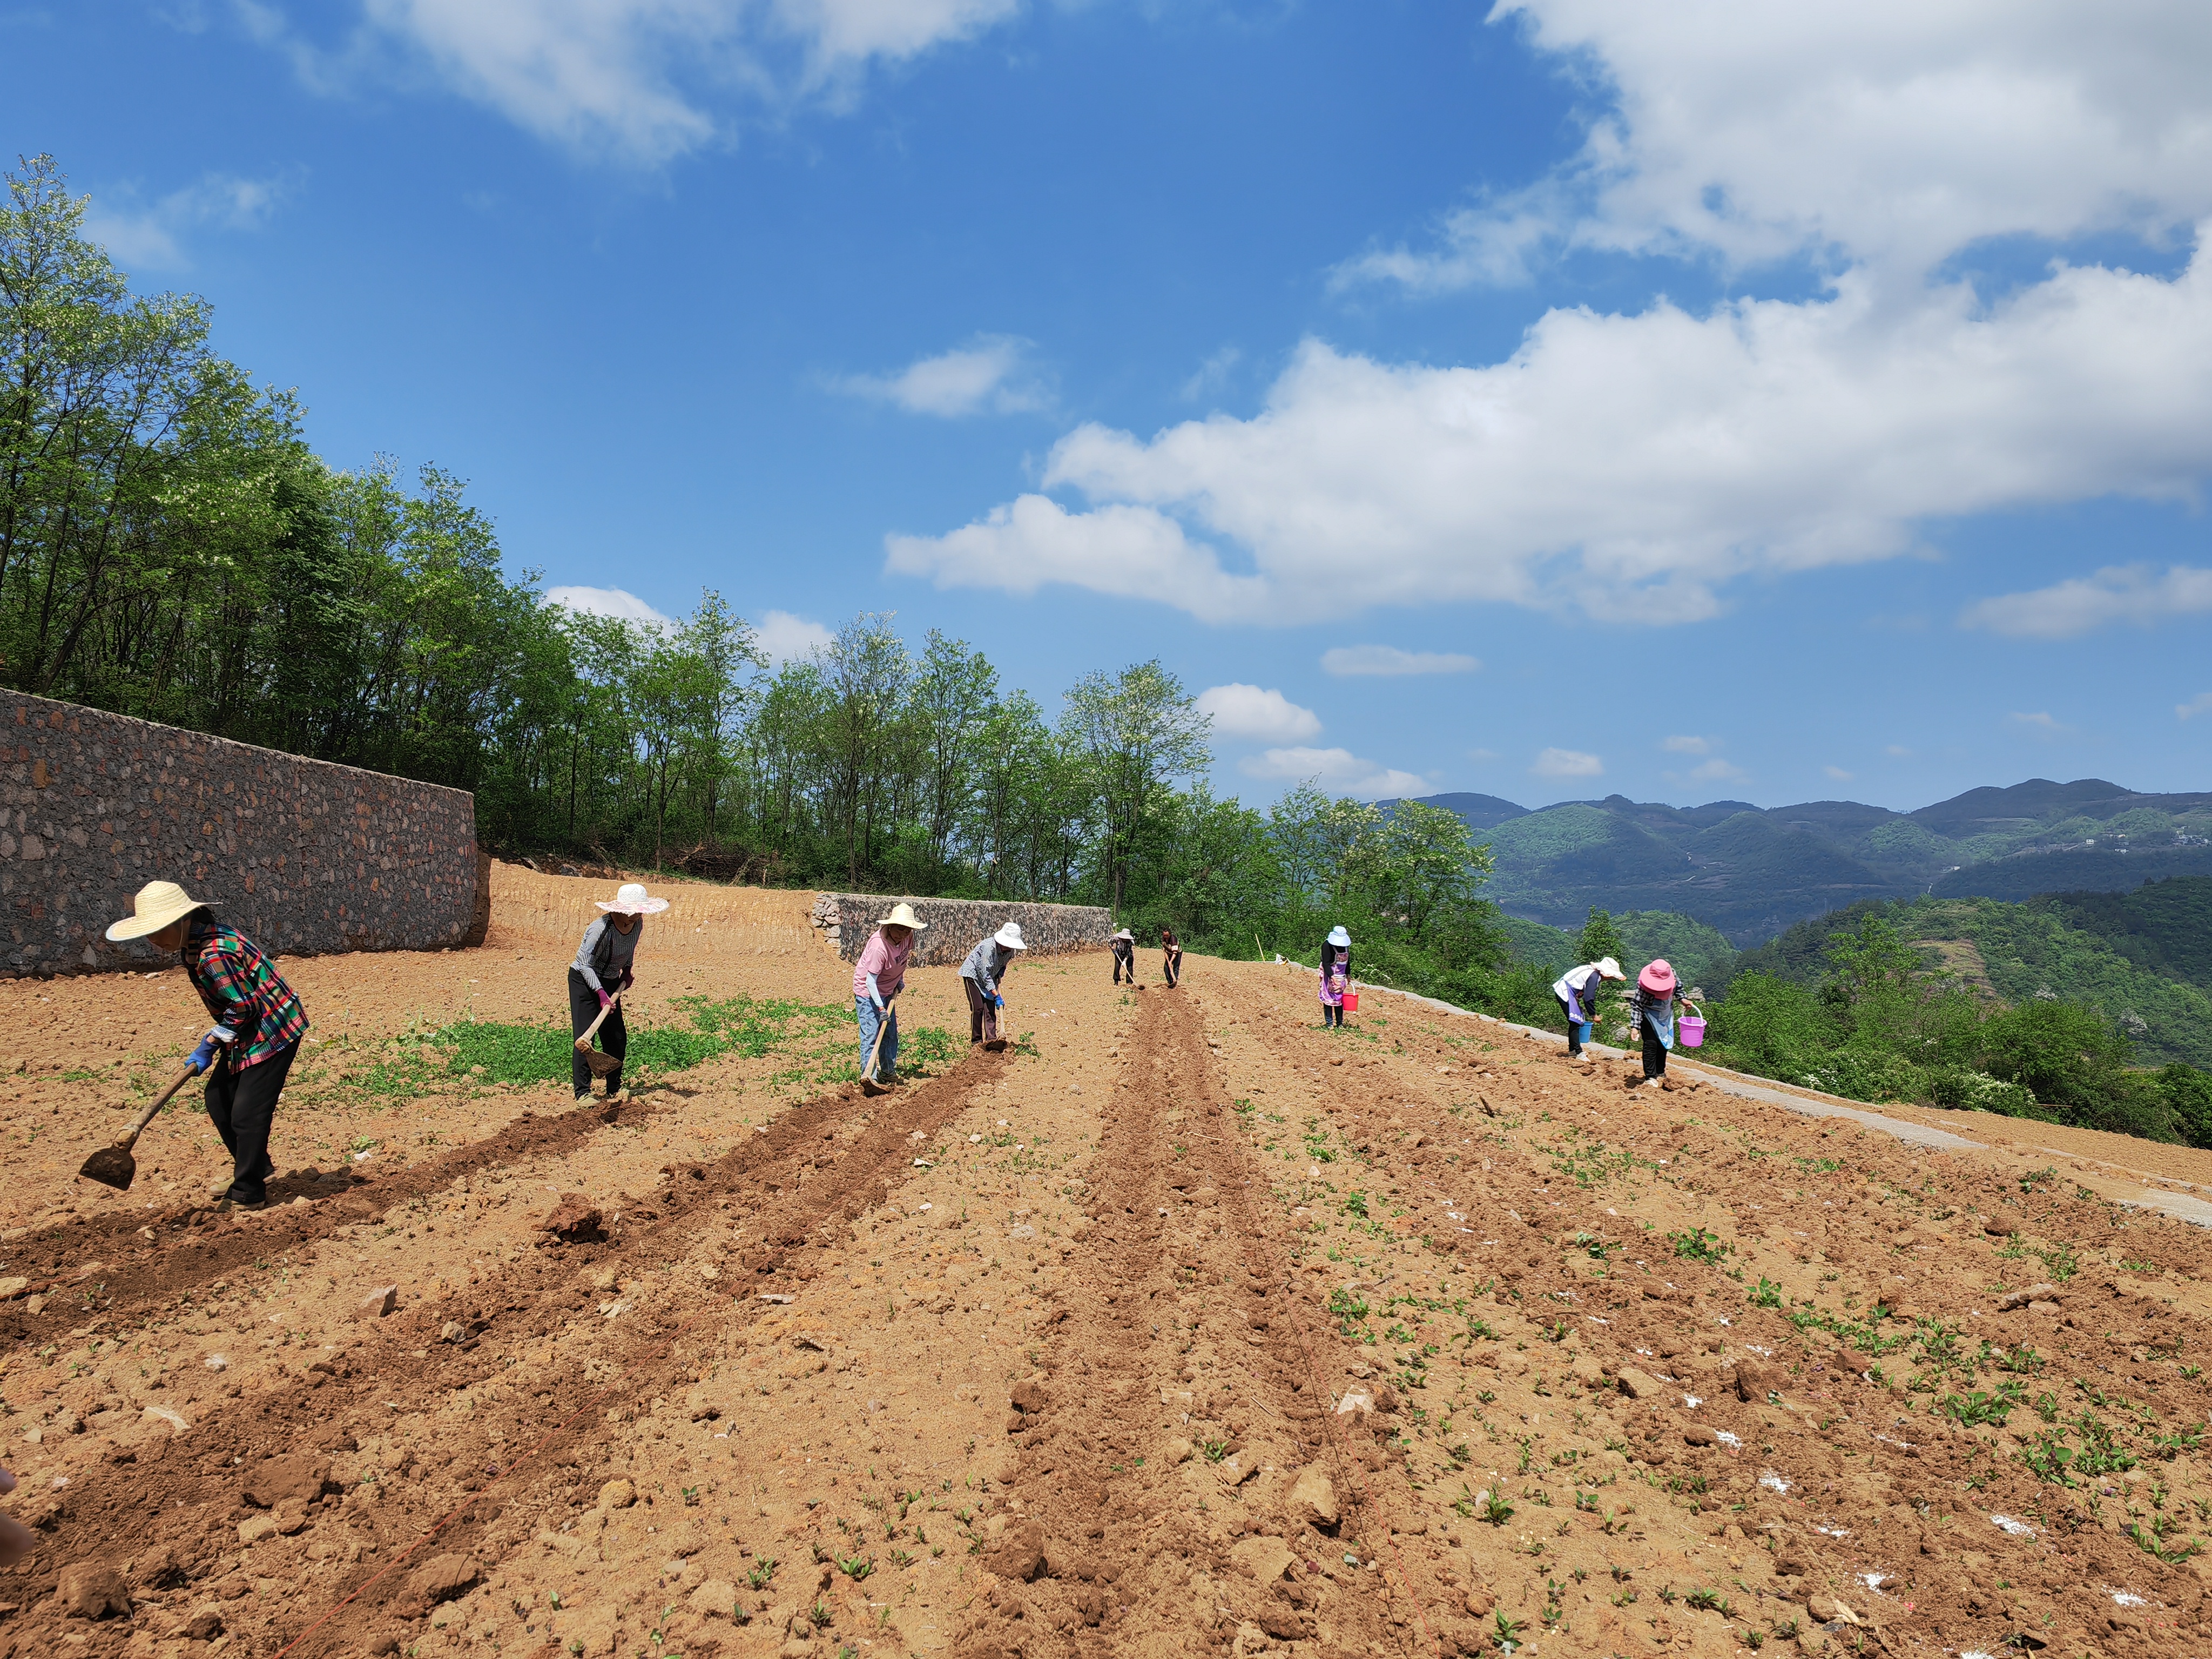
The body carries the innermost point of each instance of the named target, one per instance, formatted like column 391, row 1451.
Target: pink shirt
column 886, row 962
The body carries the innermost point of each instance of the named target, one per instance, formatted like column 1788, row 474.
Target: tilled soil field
column 1183, row 1326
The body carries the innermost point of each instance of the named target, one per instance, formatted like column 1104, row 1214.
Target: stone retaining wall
column 846, row 919
column 305, row 857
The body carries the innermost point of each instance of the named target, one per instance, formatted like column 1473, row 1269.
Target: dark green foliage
column 1702, row 957
column 2163, row 926
column 2188, row 1094
column 1540, row 945
column 1884, row 1022
column 1599, row 939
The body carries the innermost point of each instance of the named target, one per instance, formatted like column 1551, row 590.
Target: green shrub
column 2188, row 1094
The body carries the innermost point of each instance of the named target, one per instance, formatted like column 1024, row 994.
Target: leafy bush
column 2188, row 1095
column 1961, row 1090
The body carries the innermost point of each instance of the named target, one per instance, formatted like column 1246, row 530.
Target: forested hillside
column 1750, row 871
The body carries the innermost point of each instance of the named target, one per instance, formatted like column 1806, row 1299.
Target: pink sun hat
column 1658, row 979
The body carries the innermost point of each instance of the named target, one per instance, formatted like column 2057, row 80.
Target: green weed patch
column 816, row 1039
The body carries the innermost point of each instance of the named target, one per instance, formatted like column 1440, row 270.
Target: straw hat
column 902, row 915
column 1009, row 938
column 154, row 907
column 1126, row 934
column 1339, row 938
column 1608, row 969
column 631, row 899
column 1658, row 978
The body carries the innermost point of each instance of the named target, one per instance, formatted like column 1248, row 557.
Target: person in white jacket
column 1576, row 990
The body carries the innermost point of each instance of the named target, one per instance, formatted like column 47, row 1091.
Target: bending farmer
column 1125, row 956
column 878, row 977
column 1335, row 975
column 1170, row 958
column 979, row 975
column 259, row 1024
column 602, row 971
column 1651, row 1012
column 1576, row 990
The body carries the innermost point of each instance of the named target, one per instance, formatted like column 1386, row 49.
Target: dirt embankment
column 1184, row 1326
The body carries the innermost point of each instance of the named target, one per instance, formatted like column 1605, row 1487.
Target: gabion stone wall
column 846, row 919
column 305, row 856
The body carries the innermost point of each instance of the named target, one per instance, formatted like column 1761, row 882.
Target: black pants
column 1124, row 962
column 1332, row 1014
column 982, row 1013
column 1655, row 1051
column 1574, row 1028
column 614, row 1035
column 243, row 1105
column 1171, row 967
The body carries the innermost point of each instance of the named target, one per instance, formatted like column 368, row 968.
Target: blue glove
column 998, row 1002
column 203, row 1056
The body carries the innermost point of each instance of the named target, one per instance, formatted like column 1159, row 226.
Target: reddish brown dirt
column 1080, row 1342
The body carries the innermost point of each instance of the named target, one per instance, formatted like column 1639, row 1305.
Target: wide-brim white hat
column 631, row 899
column 1009, row 938
column 1608, row 969
column 902, row 915
column 1127, row 934
column 154, row 907
column 1339, row 938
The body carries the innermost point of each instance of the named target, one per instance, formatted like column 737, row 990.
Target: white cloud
column 1633, row 466
column 1688, row 745
column 641, row 81
column 1896, row 751
column 1248, row 712
column 1344, row 660
column 1338, row 770
column 2117, row 593
column 2040, row 721
column 1717, row 770
column 1133, row 552
column 608, row 602
column 2199, row 704
column 150, row 235
column 1895, row 130
column 783, row 636
column 991, row 374
column 1482, row 754
column 1567, row 764
column 1839, row 773
column 1636, row 466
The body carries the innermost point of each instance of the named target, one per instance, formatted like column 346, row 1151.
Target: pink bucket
column 1351, row 1002
column 1691, row 1030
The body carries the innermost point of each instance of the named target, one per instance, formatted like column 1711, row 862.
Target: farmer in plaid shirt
column 259, row 1023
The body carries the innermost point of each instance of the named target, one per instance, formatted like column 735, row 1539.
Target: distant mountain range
column 1751, row 871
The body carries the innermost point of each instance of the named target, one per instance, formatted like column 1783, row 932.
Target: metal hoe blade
column 112, row 1166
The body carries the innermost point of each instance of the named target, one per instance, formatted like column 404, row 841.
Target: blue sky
column 1716, row 400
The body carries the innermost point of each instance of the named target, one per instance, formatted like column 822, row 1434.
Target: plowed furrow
column 1179, row 1330
column 502, row 1460
column 194, row 1244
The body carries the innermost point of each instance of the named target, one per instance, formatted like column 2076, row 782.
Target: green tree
column 1136, row 730
column 1599, row 939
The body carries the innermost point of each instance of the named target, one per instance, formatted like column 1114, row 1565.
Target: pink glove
column 604, row 999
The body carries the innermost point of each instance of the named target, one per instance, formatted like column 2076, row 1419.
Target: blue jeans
column 869, row 1020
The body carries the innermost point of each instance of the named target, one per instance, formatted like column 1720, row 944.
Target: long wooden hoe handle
column 883, row 1025
column 591, row 1031
column 130, row 1136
